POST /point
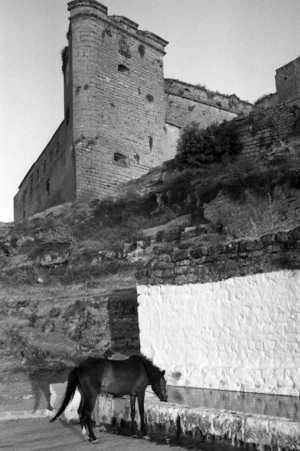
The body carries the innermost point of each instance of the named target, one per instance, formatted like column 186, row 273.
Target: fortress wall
column 118, row 99
column 190, row 103
column 267, row 101
column 288, row 82
column 182, row 111
column 122, row 118
column 266, row 130
column 224, row 317
column 262, row 133
column 51, row 179
column 203, row 95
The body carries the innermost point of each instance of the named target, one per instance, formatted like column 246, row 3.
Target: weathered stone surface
column 55, row 324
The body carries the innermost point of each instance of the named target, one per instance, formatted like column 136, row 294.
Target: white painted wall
column 238, row 334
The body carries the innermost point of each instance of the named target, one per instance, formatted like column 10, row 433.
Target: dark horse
column 116, row 377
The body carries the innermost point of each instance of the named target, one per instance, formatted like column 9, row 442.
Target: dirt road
column 40, row 435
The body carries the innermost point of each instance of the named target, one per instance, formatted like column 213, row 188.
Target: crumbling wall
column 200, row 94
column 264, row 132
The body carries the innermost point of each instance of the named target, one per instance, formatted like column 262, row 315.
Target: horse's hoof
column 93, row 440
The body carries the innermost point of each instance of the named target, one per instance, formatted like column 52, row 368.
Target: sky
column 233, row 46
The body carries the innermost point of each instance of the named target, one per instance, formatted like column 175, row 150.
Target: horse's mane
column 153, row 372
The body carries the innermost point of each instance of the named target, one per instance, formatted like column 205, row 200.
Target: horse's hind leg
column 141, row 398
column 80, row 413
column 87, row 410
column 132, row 412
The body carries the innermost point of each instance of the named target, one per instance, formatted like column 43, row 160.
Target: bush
column 198, row 146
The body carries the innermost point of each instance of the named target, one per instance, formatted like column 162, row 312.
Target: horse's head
column 159, row 386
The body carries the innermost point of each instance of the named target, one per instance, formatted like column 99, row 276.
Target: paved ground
column 22, row 429
column 40, row 435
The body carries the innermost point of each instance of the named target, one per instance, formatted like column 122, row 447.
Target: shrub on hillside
column 198, row 146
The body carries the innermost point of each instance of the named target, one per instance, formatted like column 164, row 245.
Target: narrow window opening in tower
column 122, row 68
column 48, row 186
column 150, row 138
column 137, row 158
column 120, row 159
column 141, row 49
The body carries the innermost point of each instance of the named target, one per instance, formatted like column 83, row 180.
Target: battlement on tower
column 95, row 9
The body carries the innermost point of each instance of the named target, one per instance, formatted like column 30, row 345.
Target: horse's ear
column 163, row 373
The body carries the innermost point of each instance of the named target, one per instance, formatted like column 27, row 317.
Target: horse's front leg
column 132, row 412
column 141, row 399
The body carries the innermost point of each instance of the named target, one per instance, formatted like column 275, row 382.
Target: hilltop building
column 121, row 117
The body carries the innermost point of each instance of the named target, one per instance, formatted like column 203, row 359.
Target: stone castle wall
column 50, row 180
column 263, row 130
column 187, row 103
column 288, row 82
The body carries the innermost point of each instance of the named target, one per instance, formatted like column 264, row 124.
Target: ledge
column 180, row 423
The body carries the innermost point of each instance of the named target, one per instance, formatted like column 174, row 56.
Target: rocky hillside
column 68, row 275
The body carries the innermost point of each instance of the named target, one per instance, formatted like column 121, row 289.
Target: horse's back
column 118, row 377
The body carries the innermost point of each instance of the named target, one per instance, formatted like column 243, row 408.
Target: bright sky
column 233, row 46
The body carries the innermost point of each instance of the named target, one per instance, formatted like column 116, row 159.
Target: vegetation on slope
column 198, row 146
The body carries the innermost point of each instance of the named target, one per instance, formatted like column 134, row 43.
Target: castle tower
column 117, row 101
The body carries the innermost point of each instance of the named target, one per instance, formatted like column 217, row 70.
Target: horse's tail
column 70, row 391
